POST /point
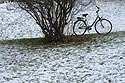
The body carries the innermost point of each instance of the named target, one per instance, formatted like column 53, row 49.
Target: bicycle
column 102, row 26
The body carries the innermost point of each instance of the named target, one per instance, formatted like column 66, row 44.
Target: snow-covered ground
column 101, row 61
column 98, row 62
column 18, row 24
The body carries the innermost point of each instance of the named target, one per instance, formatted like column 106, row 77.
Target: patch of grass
column 25, row 41
column 75, row 40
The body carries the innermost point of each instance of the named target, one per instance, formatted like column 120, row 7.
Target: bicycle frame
column 97, row 18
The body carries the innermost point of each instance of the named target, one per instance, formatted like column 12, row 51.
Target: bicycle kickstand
column 88, row 32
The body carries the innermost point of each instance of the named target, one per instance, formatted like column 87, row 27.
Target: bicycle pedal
column 90, row 28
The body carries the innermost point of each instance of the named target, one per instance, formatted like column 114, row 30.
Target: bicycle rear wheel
column 103, row 27
column 79, row 27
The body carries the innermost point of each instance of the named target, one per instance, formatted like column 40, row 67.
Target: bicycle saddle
column 84, row 15
column 79, row 18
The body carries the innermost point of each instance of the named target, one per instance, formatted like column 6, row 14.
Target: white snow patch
column 86, row 63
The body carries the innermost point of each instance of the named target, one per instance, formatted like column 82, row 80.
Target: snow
column 97, row 62
column 102, row 61
column 18, row 24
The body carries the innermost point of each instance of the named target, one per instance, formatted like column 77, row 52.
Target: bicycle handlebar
column 98, row 9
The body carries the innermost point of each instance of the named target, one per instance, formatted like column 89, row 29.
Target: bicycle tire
column 106, row 27
column 79, row 27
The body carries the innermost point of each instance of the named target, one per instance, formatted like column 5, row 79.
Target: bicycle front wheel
column 103, row 27
column 79, row 27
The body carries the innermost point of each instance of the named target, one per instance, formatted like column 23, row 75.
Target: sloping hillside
column 18, row 24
